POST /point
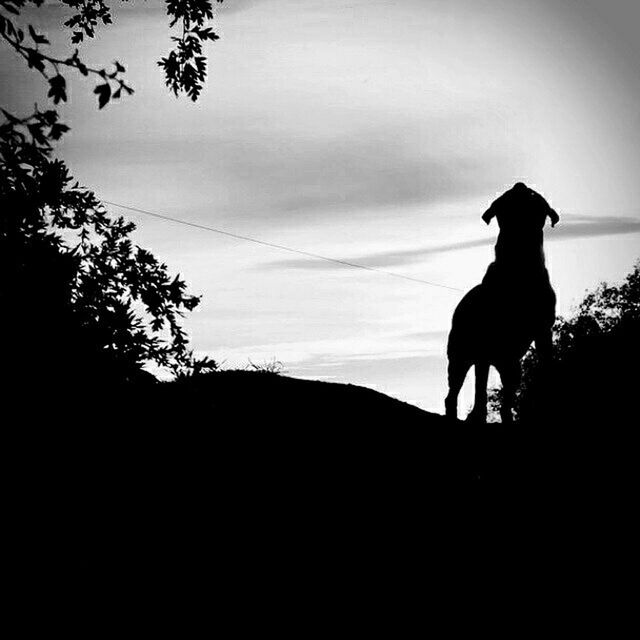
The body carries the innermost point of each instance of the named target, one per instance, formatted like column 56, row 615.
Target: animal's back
column 494, row 325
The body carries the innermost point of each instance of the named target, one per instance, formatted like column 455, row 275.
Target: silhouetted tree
column 75, row 293
column 595, row 373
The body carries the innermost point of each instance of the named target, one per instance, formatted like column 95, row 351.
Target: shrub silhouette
column 596, row 358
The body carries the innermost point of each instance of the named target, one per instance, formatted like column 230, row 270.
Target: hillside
column 263, row 424
column 279, row 432
column 274, row 422
column 278, row 399
column 256, row 474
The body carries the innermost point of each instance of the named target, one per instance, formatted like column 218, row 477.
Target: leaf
column 35, row 60
column 206, row 34
column 12, row 119
column 37, row 134
column 57, row 130
column 38, row 39
column 104, row 94
column 50, row 116
column 58, row 89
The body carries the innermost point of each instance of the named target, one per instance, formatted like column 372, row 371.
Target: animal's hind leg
column 457, row 372
column 510, row 376
column 542, row 394
column 544, row 348
column 479, row 411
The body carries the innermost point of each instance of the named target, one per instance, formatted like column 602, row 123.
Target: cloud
column 329, row 168
column 435, row 334
column 587, row 227
column 571, row 228
column 288, row 176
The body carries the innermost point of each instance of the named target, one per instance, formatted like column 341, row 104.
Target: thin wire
column 280, row 247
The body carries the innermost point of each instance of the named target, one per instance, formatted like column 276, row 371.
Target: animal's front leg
column 457, row 373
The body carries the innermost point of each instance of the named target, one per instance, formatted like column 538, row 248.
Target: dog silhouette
column 515, row 305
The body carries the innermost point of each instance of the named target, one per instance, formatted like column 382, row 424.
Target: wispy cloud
column 572, row 227
column 363, row 169
column 296, row 174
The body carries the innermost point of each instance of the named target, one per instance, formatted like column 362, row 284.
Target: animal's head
column 521, row 209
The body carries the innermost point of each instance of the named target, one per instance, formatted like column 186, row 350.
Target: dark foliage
column 70, row 273
column 78, row 297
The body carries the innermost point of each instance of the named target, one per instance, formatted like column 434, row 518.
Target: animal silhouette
column 496, row 322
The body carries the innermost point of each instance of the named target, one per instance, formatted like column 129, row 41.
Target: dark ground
column 241, row 474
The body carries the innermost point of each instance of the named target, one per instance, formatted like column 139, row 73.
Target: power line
column 280, row 247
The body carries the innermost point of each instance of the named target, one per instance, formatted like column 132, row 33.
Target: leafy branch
column 29, row 46
column 185, row 67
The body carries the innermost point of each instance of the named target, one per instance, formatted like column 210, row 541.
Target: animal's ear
column 553, row 216
column 488, row 215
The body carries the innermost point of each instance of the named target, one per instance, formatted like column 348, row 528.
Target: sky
column 371, row 131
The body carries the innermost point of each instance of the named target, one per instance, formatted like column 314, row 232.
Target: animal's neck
column 520, row 254
column 532, row 258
